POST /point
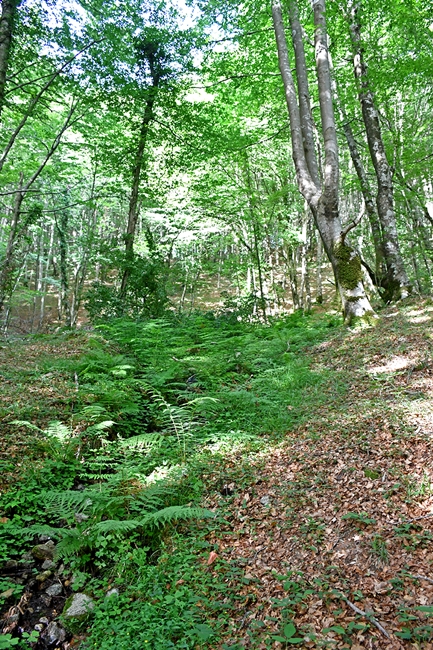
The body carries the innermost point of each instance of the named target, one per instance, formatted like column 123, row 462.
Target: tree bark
column 134, row 208
column 321, row 198
column 9, row 8
column 367, row 193
column 397, row 284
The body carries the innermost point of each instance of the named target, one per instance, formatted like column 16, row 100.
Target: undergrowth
column 156, row 404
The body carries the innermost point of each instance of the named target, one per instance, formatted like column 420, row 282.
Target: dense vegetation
column 147, row 157
column 194, row 198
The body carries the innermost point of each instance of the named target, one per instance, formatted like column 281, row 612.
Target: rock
column 77, row 612
column 77, row 605
column 54, row 590
column 53, row 635
column 44, row 601
column 41, row 577
column 44, row 538
column 27, row 558
column 39, row 627
column 112, row 592
column 265, row 501
column 44, row 551
column 11, row 564
column 44, row 620
column 48, row 565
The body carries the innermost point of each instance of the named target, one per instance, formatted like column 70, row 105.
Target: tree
column 322, row 197
column 395, row 282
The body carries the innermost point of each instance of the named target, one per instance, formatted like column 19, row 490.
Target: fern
column 116, row 526
column 174, row 513
column 143, row 441
column 118, row 508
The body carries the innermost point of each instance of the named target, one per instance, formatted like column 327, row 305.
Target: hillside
column 308, row 445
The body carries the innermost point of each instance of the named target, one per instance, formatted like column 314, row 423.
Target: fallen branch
column 366, row 615
column 422, row 578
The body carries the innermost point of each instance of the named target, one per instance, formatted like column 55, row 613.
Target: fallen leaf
column 212, row 557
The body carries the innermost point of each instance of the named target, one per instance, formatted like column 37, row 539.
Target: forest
column 216, row 256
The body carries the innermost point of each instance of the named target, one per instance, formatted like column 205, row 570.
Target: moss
column 368, row 320
column 348, row 265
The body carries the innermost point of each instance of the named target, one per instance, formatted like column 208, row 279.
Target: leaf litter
column 334, row 531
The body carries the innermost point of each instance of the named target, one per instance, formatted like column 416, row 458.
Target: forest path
column 343, row 508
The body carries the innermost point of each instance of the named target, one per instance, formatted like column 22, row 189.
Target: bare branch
column 36, row 99
column 355, row 222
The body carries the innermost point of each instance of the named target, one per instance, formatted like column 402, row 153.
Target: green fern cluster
column 109, row 512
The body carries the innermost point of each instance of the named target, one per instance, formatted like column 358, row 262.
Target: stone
column 265, row 501
column 77, row 605
column 44, row 601
column 44, row 551
column 48, row 565
column 54, row 590
column 44, row 620
column 53, row 635
column 41, row 577
column 39, row 627
column 112, row 592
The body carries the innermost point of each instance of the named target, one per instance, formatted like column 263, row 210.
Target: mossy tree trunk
column 321, row 196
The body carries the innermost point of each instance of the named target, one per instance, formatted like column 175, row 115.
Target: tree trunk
column 9, row 8
column 322, row 200
column 367, row 193
column 397, row 284
column 8, row 260
column 134, row 208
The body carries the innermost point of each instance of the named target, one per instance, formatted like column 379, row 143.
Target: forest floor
column 339, row 516
column 325, row 535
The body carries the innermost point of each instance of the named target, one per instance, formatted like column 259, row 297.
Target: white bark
column 323, row 201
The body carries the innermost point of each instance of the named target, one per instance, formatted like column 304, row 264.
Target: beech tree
column 395, row 280
column 321, row 196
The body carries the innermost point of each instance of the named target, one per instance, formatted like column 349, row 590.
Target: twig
column 409, row 521
column 244, row 620
column 366, row 615
column 421, row 578
column 353, row 223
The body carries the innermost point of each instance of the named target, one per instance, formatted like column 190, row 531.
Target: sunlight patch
column 420, row 319
column 397, row 362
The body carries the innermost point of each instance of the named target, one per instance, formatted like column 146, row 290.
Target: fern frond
column 151, row 498
column 71, row 543
column 68, row 501
column 174, row 513
column 58, row 430
column 143, row 440
column 117, row 525
column 45, row 529
column 29, row 425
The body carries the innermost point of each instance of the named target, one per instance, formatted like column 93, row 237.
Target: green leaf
column 6, row 641
column 289, row 630
column 203, row 631
column 296, row 640
column 335, row 628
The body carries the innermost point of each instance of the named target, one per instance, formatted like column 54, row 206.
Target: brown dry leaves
column 347, row 500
